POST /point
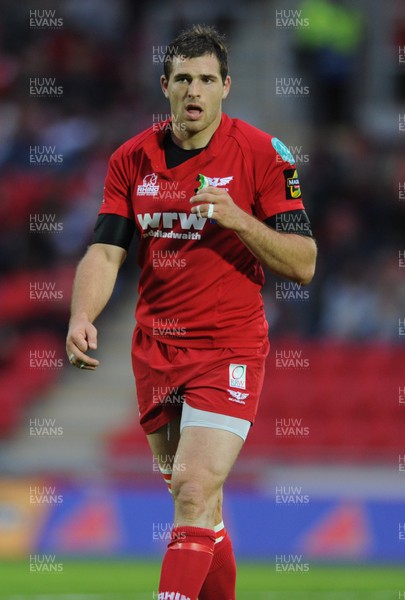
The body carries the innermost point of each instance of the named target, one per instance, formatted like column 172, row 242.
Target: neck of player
column 191, row 140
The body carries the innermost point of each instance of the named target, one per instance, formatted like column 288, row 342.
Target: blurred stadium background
column 315, row 504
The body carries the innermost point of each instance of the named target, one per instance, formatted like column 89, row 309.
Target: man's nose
column 194, row 88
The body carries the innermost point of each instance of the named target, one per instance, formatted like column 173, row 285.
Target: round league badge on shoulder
column 282, row 150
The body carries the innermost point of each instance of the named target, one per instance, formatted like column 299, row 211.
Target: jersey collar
column 154, row 149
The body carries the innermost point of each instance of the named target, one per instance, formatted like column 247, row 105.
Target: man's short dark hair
column 197, row 41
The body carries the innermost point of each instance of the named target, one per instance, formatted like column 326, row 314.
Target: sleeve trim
column 113, row 229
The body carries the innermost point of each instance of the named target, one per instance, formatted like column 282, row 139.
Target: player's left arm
column 286, row 254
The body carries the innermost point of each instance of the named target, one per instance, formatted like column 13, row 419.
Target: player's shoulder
column 260, row 143
column 243, row 130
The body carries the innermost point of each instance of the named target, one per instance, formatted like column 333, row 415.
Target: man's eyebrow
column 182, row 75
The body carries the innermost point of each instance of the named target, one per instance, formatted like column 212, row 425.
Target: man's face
column 195, row 91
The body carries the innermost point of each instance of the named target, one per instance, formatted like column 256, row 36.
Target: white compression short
column 193, row 417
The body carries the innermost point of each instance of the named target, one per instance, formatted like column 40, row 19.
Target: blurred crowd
column 80, row 85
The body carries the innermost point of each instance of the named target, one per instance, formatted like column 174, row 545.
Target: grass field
column 136, row 580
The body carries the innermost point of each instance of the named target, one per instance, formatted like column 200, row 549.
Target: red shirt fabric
column 199, row 284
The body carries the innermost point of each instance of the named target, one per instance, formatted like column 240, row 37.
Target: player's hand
column 81, row 337
column 215, row 203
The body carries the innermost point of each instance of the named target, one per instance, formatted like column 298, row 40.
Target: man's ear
column 227, row 87
column 163, row 85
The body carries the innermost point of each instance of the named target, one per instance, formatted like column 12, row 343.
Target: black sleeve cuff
column 114, row 230
column 292, row 221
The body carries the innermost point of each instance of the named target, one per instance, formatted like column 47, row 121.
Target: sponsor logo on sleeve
column 292, row 184
column 237, row 376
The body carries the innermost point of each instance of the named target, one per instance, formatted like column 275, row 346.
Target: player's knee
column 189, row 497
column 196, row 495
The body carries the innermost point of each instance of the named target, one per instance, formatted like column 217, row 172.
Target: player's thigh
column 205, row 456
column 164, row 442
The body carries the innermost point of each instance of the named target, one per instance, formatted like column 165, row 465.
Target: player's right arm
column 92, row 288
column 97, row 271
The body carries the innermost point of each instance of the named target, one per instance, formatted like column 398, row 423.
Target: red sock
column 186, row 563
column 221, row 578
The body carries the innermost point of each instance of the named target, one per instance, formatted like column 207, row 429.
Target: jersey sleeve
column 117, row 188
column 278, row 184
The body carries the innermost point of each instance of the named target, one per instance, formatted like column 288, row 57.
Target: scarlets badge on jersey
column 292, row 184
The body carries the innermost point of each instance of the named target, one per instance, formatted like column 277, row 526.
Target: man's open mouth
column 194, row 110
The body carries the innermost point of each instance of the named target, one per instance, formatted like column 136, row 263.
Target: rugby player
column 212, row 200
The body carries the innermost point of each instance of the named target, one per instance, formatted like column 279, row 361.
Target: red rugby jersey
column 199, row 284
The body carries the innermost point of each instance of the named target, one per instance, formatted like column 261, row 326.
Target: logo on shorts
column 237, row 376
column 148, row 187
column 238, row 397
